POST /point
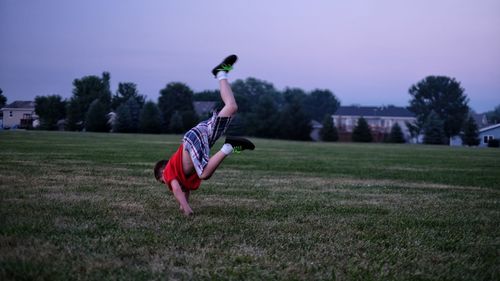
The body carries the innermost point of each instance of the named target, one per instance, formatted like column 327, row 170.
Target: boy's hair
column 158, row 170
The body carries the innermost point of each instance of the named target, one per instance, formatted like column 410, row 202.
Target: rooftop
column 21, row 104
column 386, row 111
column 489, row 128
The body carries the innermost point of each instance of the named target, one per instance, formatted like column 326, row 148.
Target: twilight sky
column 367, row 52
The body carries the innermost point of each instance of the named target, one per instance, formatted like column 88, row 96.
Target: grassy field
column 86, row 206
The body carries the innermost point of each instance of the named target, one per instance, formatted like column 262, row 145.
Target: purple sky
column 366, row 52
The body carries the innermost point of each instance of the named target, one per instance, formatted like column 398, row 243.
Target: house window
column 486, row 139
column 373, row 123
column 26, row 116
column 10, row 113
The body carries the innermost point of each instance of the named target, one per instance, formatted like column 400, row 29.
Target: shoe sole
column 230, row 60
column 238, row 141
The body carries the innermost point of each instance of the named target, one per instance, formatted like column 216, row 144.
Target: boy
column 191, row 163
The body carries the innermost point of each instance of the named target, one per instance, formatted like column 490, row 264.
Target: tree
column 362, row 132
column 494, row 115
column 125, row 92
column 207, row 95
column 126, row 117
column 96, row 118
column 135, row 113
column 123, row 121
column 3, row 99
column 175, row 125
column 470, row 136
column 150, row 119
column 433, row 130
column 262, row 122
column 328, row 132
column 320, row 102
column 248, row 91
column 445, row 97
column 189, row 119
column 85, row 91
column 293, row 122
column 175, row 96
column 294, row 94
column 50, row 109
column 396, row 135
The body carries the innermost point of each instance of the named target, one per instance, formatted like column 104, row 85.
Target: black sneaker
column 226, row 65
column 239, row 143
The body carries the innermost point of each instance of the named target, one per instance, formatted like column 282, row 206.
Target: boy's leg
column 230, row 106
column 229, row 109
column 212, row 165
column 230, row 144
column 220, row 72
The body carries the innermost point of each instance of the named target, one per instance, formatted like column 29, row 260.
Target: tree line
column 438, row 102
column 263, row 111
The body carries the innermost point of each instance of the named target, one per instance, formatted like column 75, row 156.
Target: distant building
column 482, row 125
column 204, row 108
column 486, row 134
column 380, row 119
column 489, row 133
column 19, row 114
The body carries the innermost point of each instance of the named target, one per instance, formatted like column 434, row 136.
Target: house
column 482, row 123
column 204, row 108
column 489, row 133
column 19, row 114
column 380, row 119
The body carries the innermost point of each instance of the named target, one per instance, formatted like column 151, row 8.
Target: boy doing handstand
column 191, row 163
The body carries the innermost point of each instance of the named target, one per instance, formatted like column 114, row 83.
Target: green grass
column 85, row 206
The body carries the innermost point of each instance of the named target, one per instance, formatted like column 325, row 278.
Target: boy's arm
column 181, row 197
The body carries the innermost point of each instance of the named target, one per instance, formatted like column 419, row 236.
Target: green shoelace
column 237, row 149
column 225, row 67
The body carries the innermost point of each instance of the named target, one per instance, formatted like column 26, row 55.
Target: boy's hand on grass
column 181, row 198
column 188, row 212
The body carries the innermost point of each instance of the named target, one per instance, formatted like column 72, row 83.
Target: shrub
column 396, row 135
column 96, row 119
column 493, row 143
column 150, row 119
column 328, row 132
column 433, row 130
column 362, row 132
column 176, row 125
column 470, row 136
